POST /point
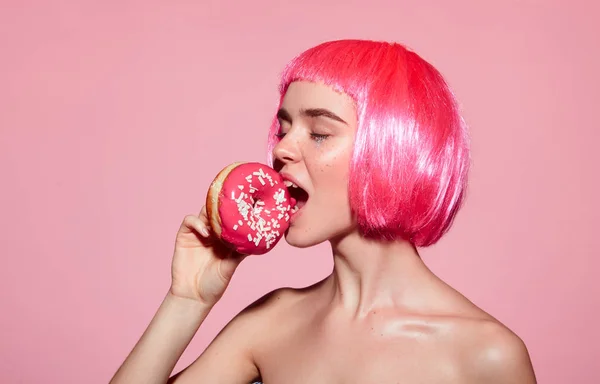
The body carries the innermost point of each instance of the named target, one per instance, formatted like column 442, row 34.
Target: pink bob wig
column 408, row 173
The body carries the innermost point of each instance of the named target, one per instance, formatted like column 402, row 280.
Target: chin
column 302, row 239
column 296, row 237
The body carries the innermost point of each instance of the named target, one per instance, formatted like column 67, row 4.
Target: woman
column 371, row 134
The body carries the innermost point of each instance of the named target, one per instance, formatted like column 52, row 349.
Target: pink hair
column 408, row 173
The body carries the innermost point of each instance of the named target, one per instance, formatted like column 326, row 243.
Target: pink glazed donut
column 248, row 207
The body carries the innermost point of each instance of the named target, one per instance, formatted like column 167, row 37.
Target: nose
column 286, row 150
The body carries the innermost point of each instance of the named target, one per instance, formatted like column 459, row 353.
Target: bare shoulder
column 275, row 302
column 490, row 351
column 230, row 357
column 495, row 354
column 272, row 310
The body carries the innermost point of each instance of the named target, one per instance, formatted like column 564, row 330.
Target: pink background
column 115, row 116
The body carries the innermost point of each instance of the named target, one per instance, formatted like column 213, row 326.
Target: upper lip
column 287, row 176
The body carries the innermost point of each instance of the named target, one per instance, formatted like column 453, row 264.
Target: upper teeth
column 290, row 184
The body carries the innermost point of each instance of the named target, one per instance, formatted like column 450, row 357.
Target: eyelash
column 315, row 136
column 318, row 137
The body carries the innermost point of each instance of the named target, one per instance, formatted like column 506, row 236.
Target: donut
column 248, row 207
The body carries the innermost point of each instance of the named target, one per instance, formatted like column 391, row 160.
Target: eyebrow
column 310, row 112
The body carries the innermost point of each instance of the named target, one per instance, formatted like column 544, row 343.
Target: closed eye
column 315, row 136
column 318, row 137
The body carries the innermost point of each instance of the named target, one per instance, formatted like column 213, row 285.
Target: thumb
column 228, row 265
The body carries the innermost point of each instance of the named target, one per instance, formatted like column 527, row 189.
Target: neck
column 370, row 274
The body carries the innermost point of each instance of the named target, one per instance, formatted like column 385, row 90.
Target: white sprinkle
column 261, row 180
column 249, row 237
column 240, row 222
column 271, row 180
column 243, row 209
column 279, row 196
column 235, row 227
column 241, row 187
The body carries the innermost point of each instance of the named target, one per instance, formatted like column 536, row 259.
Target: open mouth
column 299, row 196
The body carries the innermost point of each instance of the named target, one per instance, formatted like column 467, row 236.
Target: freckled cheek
column 335, row 186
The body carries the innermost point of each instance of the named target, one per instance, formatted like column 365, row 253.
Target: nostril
column 277, row 164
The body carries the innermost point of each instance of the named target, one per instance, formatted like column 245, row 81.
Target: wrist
column 187, row 302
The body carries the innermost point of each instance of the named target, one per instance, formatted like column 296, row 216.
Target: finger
column 203, row 213
column 194, row 222
column 204, row 216
column 228, row 265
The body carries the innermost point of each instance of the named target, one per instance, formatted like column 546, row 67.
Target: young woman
column 372, row 135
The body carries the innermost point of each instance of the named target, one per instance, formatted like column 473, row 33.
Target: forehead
column 307, row 95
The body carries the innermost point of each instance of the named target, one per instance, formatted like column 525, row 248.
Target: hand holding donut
column 247, row 212
column 202, row 265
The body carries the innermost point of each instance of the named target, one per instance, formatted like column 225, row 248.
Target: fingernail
column 204, row 232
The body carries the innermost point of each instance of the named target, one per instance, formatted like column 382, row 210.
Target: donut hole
column 256, row 203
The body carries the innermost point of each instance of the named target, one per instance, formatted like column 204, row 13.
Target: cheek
column 330, row 170
column 334, row 175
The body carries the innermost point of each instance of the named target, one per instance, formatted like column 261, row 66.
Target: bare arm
column 154, row 356
column 201, row 271
column 228, row 359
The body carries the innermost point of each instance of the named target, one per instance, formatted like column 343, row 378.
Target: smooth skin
column 380, row 317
